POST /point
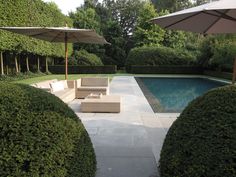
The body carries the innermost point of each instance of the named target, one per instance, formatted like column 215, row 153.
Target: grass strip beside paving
column 70, row 77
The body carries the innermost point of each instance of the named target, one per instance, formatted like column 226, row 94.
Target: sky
column 67, row 5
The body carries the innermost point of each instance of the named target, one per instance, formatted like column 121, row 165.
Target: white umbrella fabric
column 60, row 34
column 218, row 17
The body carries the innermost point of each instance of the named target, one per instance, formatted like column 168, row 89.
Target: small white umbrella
column 60, row 34
column 218, row 17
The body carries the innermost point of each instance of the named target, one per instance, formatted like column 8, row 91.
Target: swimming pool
column 171, row 95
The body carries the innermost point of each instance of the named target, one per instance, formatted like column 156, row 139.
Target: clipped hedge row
column 41, row 136
column 158, row 56
column 60, row 69
column 218, row 74
column 202, row 141
column 165, row 70
column 82, row 57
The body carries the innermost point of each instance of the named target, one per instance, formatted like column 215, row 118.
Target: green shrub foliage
column 82, row 57
column 218, row 52
column 30, row 13
column 41, row 136
column 202, row 141
column 159, row 56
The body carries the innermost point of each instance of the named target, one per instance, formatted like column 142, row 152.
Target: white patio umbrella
column 60, row 34
column 218, row 17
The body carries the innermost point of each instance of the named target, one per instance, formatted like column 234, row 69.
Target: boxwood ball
column 41, row 136
column 202, row 141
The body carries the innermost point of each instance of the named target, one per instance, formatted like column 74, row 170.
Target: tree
column 147, row 33
column 125, row 12
column 172, row 5
column 199, row 2
column 86, row 17
column 115, row 53
column 174, row 39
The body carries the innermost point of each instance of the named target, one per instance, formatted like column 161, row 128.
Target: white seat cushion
column 57, row 86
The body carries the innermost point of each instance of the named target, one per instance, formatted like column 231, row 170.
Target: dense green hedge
column 82, row 57
column 165, row 70
column 30, row 13
column 107, row 69
column 218, row 74
column 41, row 136
column 202, row 141
column 158, row 56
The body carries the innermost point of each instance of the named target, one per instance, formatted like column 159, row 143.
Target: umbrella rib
column 56, row 36
column 186, row 18
column 219, row 17
column 76, row 37
column 34, row 35
column 224, row 15
column 209, row 27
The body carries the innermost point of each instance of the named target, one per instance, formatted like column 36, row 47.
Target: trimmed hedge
column 202, row 141
column 158, row 56
column 165, row 70
column 218, row 74
column 60, row 69
column 82, row 57
column 41, row 136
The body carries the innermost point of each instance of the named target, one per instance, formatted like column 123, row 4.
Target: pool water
column 174, row 94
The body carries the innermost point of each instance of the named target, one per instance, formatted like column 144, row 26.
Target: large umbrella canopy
column 211, row 18
column 57, row 34
column 218, row 17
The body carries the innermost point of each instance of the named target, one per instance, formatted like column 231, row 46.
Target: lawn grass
column 70, row 77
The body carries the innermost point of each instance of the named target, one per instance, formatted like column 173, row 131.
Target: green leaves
column 30, row 13
column 159, row 56
column 202, row 141
column 147, row 33
column 41, row 136
column 82, row 57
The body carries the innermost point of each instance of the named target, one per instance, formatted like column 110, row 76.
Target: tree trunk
column 16, row 65
column 27, row 64
column 2, row 69
column 38, row 64
column 234, row 72
column 7, row 69
column 19, row 66
column 46, row 64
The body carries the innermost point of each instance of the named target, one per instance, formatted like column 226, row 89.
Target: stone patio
column 127, row 144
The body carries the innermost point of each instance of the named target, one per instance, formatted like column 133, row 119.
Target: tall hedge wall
column 30, row 13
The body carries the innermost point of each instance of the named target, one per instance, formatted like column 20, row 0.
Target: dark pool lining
column 152, row 100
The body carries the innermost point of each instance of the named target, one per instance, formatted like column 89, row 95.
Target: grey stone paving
column 127, row 144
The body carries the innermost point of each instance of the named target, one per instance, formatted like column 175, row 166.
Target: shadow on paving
column 122, row 149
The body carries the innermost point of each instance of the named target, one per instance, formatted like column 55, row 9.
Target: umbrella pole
column 66, row 57
column 234, row 72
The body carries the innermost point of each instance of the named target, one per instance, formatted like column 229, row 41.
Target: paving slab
column 126, row 144
column 126, row 167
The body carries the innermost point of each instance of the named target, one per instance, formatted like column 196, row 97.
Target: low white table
column 107, row 103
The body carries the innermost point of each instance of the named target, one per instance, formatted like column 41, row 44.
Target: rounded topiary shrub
column 202, row 141
column 41, row 136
